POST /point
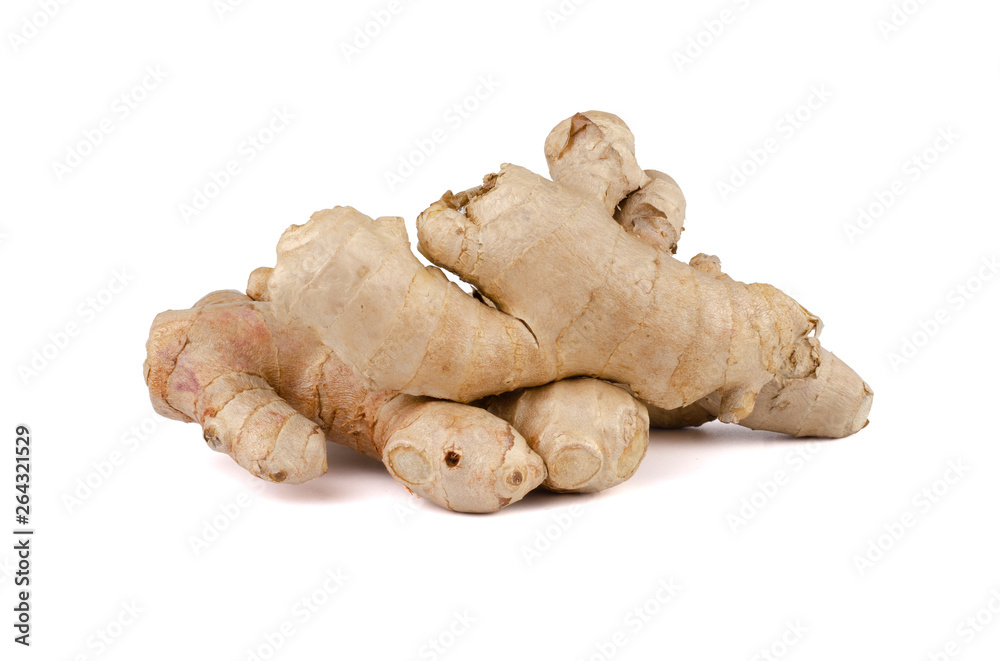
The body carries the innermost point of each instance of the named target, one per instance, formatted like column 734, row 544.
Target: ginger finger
column 456, row 455
column 629, row 314
column 269, row 394
column 591, row 435
column 594, row 153
column 403, row 326
column 231, row 399
column 654, row 213
column 799, row 403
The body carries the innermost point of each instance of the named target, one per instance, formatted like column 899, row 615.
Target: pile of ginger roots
column 582, row 331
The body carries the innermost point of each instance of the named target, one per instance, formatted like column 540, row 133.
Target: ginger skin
column 583, row 332
column 590, row 434
column 575, row 295
column 270, row 395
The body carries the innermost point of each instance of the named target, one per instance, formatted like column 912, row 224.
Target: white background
column 553, row 576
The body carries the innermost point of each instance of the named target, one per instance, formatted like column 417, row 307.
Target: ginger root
column 590, row 434
column 269, row 395
column 574, row 294
column 583, row 331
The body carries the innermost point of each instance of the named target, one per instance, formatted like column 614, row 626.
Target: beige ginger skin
column 350, row 338
column 575, row 294
column 590, row 434
column 270, row 395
